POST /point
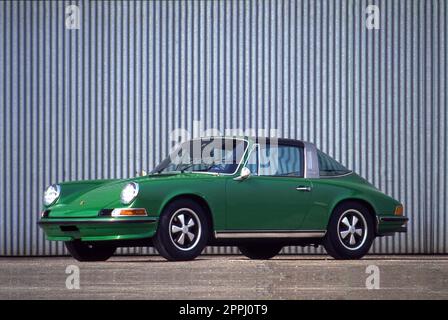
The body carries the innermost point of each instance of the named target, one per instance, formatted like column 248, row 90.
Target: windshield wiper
column 207, row 168
column 186, row 166
column 189, row 165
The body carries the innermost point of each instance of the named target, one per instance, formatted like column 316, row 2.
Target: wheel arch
column 365, row 203
column 199, row 200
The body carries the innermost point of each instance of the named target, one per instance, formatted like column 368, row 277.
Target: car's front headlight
column 129, row 192
column 52, row 194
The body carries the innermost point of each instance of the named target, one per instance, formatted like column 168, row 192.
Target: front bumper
column 388, row 225
column 98, row 229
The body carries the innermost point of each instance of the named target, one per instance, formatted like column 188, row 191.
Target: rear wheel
column 183, row 231
column 260, row 251
column 82, row 251
column 350, row 231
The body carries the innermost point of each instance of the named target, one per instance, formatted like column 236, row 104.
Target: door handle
column 303, row 188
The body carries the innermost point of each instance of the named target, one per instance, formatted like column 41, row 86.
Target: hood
column 86, row 198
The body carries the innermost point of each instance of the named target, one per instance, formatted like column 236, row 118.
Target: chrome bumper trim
column 63, row 222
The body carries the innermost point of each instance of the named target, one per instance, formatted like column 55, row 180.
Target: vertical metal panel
column 101, row 101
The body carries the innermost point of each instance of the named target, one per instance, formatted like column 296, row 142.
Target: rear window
column 329, row 167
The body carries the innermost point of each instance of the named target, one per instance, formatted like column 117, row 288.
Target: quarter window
column 329, row 167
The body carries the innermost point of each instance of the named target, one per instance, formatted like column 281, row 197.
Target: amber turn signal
column 128, row 212
column 399, row 210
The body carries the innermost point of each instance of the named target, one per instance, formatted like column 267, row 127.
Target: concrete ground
column 227, row 277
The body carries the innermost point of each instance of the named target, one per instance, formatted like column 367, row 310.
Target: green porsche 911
column 259, row 194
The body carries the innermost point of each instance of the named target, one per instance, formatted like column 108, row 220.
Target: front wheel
column 183, row 231
column 260, row 252
column 82, row 251
column 350, row 232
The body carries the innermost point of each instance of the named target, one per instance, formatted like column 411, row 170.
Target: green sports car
column 259, row 194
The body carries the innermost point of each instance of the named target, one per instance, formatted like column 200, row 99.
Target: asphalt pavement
column 226, row 277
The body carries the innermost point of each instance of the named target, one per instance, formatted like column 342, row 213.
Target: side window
column 281, row 160
column 329, row 167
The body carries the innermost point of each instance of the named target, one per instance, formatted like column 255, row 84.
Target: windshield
column 218, row 155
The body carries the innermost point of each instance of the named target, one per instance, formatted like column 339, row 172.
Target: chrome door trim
column 258, row 234
column 337, row 176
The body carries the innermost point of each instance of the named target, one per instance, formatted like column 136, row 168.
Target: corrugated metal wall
column 99, row 102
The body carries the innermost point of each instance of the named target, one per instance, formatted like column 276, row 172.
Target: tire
column 183, row 231
column 350, row 232
column 82, row 251
column 261, row 251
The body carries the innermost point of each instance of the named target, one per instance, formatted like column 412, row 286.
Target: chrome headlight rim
column 129, row 197
column 48, row 199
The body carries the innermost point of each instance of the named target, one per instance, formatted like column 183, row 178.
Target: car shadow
column 289, row 258
column 155, row 260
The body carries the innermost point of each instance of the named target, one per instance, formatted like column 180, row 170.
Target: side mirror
column 245, row 173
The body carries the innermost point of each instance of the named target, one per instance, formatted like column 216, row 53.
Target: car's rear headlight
column 128, row 212
column 398, row 210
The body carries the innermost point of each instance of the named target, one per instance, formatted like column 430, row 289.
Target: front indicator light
column 128, row 212
column 398, row 210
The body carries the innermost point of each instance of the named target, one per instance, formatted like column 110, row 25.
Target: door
column 275, row 196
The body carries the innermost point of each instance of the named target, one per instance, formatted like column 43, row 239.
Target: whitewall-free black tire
column 350, row 231
column 183, row 231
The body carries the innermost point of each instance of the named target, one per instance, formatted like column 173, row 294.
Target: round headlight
column 52, row 194
column 129, row 192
